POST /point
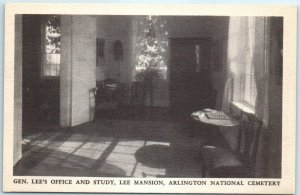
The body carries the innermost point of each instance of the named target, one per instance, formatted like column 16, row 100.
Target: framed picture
column 100, row 52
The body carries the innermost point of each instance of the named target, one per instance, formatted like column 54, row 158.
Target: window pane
column 52, row 70
column 53, row 58
column 52, row 44
column 57, row 70
column 48, row 59
column 254, row 92
column 247, row 92
column 57, row 59
column 47, row 70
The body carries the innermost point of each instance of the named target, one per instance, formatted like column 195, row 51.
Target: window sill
column 238, row 106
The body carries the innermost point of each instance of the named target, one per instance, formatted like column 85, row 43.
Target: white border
column 289, row 92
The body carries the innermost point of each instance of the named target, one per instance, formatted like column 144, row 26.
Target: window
column 249, row 87
column 248, row 79
column 151, row 46
column 51, row 47
column 248, row 96
column 242, row 61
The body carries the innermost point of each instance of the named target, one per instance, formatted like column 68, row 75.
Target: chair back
column 249, row 133
column 136, row 92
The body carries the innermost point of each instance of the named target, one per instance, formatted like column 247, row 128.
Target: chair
column 222, row 162
column 136, row 96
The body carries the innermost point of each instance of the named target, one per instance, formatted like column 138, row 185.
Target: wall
column 272, row 155
column 78, row 68
column 83, row 66
column 66, row 71
column 102, row 24
column 195, row 26
column 17, row 146
column 113, row 28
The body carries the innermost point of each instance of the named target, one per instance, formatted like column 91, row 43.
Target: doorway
column 190, row 80
column 41, row 96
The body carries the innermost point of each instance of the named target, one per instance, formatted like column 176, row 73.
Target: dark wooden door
column 190, row 81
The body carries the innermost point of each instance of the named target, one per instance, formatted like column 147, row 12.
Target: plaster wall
column 18, row 91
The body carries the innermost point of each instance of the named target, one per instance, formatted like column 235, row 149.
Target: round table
column 201, row 117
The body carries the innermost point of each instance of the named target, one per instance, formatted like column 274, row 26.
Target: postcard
column 150, row 98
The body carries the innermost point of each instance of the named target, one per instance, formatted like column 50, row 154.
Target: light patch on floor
column 123, row 149
column 148, row 143
column 72, row 144
column 138, row 143
column 92, row 154
column 119, row 157
column 86, row 152
column 65, row 149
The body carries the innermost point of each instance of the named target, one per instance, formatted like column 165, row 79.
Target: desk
column 200, row 116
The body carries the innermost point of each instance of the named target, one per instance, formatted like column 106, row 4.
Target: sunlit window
column 249, row 92
column 241, row 56
column 152, row 42
column 247, row 77
column 51, row 47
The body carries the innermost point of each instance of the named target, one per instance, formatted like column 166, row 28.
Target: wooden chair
column 222, row 162
column 136, row 97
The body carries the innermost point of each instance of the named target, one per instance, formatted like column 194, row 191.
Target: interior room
column 121, row 96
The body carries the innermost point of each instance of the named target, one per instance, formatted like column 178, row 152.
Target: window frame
column 252, row 87
column 239, row 82
column 43, row 49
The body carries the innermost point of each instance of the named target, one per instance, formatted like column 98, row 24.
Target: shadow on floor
column 116, row 148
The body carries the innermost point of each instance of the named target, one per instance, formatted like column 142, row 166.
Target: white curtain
column 227, row 95
column 261, row 69
column 249, row 43
column 237, row 59
column 247, row 48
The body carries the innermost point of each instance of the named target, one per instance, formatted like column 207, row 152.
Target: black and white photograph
column 165, row 100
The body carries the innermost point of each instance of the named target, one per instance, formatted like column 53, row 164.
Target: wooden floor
column 150, row 144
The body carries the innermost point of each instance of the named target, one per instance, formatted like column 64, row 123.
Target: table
column 201, row 117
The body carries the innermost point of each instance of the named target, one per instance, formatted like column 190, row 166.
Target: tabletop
column 201, row 117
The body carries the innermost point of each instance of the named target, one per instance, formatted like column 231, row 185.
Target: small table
column 201, row 117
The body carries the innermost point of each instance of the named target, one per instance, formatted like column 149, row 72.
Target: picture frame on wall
column 100, row 52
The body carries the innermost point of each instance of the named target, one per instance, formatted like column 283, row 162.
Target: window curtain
column 247, row 47
column 236, row 60
column 238, row 55
column 261, row 68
